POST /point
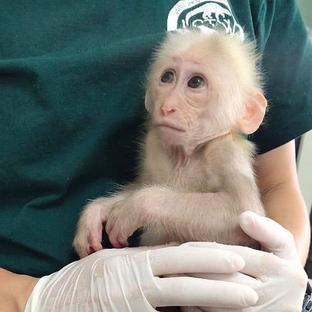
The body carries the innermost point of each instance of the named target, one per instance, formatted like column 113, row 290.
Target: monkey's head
column 201, row 86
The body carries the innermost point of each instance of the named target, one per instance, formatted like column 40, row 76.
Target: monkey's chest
column 193, row 177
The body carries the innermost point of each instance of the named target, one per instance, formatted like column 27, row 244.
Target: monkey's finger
column 117, row 221
column 271, row 235
column 116, row 216
column 81, row 245
column 118, row 236
column 95, row 246
column 82, row 251
column 121, row 230
column 114, row 242
column 109, row 224
column 189, row 291
column 122, row 240
column 118, row 239
column 112, row 235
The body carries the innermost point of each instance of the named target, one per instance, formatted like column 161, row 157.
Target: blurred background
column 306, row 9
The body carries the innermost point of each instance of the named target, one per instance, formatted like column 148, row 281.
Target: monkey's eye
column 196, row 82
column 167, row 76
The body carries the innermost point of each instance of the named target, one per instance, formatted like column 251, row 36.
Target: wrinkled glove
column 275, row 274
column 123, row 280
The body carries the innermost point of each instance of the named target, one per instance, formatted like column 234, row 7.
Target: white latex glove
column 275, row 274
column 123, row 280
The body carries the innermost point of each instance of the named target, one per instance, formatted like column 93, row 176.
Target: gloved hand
column 275, row 274
column 123, row 280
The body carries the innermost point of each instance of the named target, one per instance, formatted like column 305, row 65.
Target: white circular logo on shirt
column 207, row 15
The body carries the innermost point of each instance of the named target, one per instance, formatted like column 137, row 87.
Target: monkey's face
column 186, row 98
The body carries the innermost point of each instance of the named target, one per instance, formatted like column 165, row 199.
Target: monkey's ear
column 148, row 100
column 254, row 113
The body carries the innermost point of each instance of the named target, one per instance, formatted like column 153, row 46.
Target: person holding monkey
column 71, row 78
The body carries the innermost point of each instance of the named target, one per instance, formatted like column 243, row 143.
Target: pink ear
column 148, row 100
column 147, row 103
column 254, row 113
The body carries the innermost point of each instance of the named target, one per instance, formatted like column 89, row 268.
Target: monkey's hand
column 141, row 208
column 89, row 231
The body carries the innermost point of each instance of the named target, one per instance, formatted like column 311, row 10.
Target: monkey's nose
column 166, row 110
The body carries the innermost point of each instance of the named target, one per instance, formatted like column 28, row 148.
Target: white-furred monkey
column 203, row 92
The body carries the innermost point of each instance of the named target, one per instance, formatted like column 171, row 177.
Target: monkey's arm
column 278, row 183
column 181, row 216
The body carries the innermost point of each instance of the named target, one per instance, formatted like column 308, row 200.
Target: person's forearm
column 281, row 195
column 15, row 290
column 284, row 203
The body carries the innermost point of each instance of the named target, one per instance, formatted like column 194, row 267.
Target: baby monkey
column 196, row 174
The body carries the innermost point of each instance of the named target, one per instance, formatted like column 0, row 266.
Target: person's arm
column 14, row 290
column 278, row 183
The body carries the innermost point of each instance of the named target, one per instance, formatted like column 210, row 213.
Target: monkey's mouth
column 168, row 126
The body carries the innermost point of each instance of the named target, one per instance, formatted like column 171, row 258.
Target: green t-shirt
column 72, row 103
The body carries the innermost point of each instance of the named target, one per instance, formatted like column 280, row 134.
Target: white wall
column 305, row 168
column 306, row 9
column 305, row 153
